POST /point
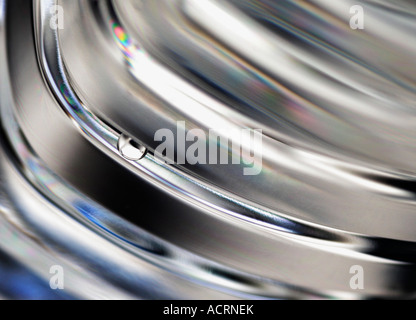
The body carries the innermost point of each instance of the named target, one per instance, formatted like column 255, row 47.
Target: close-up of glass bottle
column 207, row 149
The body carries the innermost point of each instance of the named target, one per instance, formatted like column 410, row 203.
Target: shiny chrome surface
column 83, row 189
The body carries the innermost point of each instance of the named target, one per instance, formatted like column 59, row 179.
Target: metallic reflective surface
column 81, row 186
